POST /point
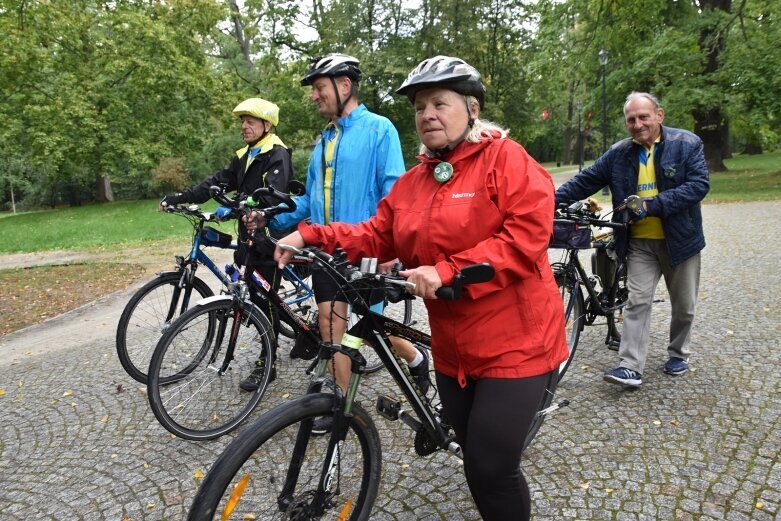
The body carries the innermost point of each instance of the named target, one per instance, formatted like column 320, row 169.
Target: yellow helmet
column 258, row 108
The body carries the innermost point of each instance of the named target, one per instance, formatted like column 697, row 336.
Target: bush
column 170, row 175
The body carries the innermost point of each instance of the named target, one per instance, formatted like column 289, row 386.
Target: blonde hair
column 481, row 128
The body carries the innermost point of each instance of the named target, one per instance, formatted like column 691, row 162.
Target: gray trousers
column 647, row 262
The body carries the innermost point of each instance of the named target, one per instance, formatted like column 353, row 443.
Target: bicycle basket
column 214, row 237
column 567, row 234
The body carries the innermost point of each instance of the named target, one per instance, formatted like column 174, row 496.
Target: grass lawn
column 95, row 226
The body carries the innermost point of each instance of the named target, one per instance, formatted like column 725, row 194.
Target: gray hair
column 642, row 95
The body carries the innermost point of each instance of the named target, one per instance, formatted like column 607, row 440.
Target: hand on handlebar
column 282, row 256
column 254, row 221
column 426, row 280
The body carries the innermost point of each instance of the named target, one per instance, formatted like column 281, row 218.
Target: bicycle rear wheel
column 572, row 298
column 272, row 470
column 297, row 293
column 545, row 402
column 618, row 297
column 193, row 392
column 148, row 314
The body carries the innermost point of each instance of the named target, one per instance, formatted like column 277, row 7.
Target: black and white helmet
column 333, row 65
column 447, row 72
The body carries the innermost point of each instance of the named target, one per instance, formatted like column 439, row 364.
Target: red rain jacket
column 497, row 208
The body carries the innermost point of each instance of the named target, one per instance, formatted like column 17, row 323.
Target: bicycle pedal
column 388, row 408
column 553, row 408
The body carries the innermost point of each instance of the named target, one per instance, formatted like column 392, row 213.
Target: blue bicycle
column 159, row 302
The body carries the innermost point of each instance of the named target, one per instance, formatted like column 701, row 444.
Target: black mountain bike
column 198, row 366
column 277, row 469
column 578, row 227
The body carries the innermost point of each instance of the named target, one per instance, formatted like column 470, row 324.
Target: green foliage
column 170, row 175
column 93, row 88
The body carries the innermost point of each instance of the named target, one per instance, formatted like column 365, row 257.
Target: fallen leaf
column 286, row 396
column 657, row 422
column 760, row 505
column 142, row 389
column 104, row 419
column 674, row 422
column 585, row 486
column 150, row 505
column 119, row 388
column 113, row 456
column 585, row 367
column 730, row 332
column 67, row 393
column 198, row 474
column 249, row 517
column 146, row 465
column 608, row 490
column 2, row 392
column 73, row 404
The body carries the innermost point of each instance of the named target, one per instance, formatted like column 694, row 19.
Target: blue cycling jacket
column 367, row 161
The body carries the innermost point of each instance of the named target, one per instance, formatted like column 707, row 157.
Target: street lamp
column 579, row 108
column 602, row 63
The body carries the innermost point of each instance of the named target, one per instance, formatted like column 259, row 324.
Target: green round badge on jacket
column 443, row 171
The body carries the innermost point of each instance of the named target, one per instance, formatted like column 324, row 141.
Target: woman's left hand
column 426, row 280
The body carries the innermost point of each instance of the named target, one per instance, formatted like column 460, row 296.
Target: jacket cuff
column 446, row 272
column 308, row 233
column 653, row 206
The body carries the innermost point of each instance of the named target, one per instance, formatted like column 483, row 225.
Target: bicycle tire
column 572, row 299
column 306, row 309
column 618, row 296
column 265, row 451
column 545, row 402
column 143, row 320
column 187, row 393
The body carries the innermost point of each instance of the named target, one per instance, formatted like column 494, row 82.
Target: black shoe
column 420, row 374
column 322, row 425
column 252, row 382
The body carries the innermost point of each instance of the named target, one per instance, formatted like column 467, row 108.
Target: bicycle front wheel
column 572, row 298
column 203, row 362
column 274, row 469
column 148, row 314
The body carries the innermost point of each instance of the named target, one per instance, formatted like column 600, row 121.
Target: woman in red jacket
column 476, row 196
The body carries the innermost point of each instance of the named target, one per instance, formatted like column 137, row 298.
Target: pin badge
column 443, row 171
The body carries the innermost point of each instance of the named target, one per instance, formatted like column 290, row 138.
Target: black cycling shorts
column 326, row 289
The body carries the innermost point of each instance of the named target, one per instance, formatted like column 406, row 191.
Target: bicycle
column 152, row 309
column 277, row 469
column 203, row 357
column 575, row 229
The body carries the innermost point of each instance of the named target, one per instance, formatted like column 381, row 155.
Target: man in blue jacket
column 666, row 168
column 351, row 168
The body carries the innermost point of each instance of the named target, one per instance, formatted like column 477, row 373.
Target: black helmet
column 447, row 72
column 333, row 65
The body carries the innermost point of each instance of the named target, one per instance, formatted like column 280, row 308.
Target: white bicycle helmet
column 333, row 65
column 444, row 71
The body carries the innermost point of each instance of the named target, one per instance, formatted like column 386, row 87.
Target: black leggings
column 491, row 418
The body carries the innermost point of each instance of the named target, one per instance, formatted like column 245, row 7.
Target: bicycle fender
column 214, row 298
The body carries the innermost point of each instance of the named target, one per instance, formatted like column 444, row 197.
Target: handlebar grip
column 451, row 292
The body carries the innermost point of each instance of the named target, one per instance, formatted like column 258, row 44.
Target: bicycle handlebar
column 250, row 203
column 473, row 274
column 191, row 210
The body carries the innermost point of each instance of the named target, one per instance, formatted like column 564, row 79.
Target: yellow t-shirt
column 650, row 227
column 328, row 179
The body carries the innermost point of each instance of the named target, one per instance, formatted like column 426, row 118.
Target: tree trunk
column 104, row 193
column 709, row 122
column 708, row 125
